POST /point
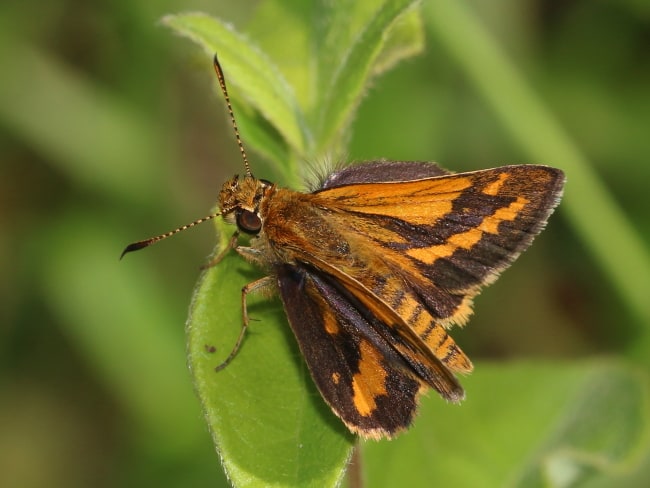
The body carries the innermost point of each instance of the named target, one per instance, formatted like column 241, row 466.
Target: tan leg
column 249, row 288
column 217, row 259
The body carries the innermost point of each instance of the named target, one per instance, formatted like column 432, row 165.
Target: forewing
column 371, row 386
column 382, row 171
column 446, row 236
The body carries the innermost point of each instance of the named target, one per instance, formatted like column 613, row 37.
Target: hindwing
column 360, row 369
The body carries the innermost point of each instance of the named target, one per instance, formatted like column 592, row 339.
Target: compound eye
column 248, row 222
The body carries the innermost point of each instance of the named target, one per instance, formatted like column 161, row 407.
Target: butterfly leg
column 257, row 285
column 232, row 244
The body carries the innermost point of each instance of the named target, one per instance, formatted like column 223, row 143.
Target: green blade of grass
column 524, row 425
column 592, row 210
column 96, row 156
column 129, row 337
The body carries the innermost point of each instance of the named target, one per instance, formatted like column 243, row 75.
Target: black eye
column 248, row 222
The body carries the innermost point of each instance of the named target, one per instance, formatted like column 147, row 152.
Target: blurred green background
column 111, row 131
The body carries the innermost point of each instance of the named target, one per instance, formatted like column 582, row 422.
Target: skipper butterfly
column 376, row 265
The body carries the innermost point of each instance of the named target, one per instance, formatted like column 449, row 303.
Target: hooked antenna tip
column 135, row 247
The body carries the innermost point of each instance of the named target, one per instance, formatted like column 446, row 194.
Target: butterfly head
column 240, row 200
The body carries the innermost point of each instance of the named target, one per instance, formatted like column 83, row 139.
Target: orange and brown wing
column 370, row 378
column 445, row 236
column 410, row 255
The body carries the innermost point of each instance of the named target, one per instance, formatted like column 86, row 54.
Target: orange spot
column 422, row 323
column 331, row 324
column 464, row 240
column 459, row 363
column 494, row 187
column 369, row 382
column 434, row 337
column 407, row 308
column 468, row 239
column 416, row 202
column 336, row 377
column 491, row 224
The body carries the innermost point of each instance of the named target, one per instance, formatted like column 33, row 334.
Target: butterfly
column 374, row 267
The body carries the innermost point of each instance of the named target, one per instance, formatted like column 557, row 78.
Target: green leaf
column 268, row 421
column 246, row 67
column 310, row 54
column 567, row 423
column 309, row 80
column 351, row 55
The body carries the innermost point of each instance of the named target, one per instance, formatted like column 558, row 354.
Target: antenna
column 222, row 84
column 135, row 246
column 152, row 240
